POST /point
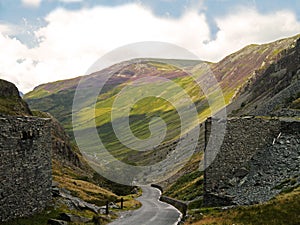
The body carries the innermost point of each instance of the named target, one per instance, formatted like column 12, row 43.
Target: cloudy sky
column 48, row 40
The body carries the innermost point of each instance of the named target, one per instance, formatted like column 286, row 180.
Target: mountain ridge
column 289, row 39
column 233, row 72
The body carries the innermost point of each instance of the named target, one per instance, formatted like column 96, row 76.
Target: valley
column 260, row 85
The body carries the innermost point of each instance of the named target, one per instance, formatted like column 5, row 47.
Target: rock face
column 258, row 159
column 273, row 92
column 8, row 89
column 10, row 101
column 25, row 166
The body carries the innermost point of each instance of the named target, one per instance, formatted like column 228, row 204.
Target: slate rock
column 241, row 172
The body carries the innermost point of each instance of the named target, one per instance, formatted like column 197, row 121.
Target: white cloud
column 19, row 73
column 246, row 27
column 5, row 29
column 32, row 3
column 72, row 40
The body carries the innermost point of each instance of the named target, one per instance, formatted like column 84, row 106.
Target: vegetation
column 284, row 209
column 187, row 187
column 55, row 213
column 295, row 101
column 13, row 106
column 93, row 189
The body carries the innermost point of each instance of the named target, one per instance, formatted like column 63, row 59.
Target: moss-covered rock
column 10, row 101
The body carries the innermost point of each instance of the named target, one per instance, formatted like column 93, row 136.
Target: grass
column 53, row 212
column 284, row 209
column 38, row 93
column 130, row 202
column 187, row 184
column 163, row 66
column 187, row 187
column 85, row 184
column 12, row 106
column 85, row 190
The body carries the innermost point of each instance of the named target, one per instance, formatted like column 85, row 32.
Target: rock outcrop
column 274, row 90
column 8, row 89
column 10, row 101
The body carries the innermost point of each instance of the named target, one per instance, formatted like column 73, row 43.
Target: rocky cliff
column 275, row 92
column 10, row 101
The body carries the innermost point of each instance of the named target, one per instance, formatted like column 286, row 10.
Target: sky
column 47, row 40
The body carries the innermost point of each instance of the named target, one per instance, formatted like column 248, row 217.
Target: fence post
column 122, row 201
column 106, row 208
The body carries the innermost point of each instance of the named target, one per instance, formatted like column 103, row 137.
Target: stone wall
column 180, row 205
column 256, row 156
column 25, row 166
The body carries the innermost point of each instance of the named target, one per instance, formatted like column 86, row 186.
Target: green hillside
column 232, row 73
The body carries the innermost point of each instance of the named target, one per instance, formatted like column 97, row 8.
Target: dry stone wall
column 25, row 166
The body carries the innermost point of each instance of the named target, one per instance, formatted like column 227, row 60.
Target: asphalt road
column 152, row 212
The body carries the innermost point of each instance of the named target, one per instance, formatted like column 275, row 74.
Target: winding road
column 152, row 212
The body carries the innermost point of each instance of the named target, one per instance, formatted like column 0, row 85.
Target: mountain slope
column 233, row 74
column 276, row 90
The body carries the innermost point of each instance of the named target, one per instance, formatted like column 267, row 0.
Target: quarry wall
column 257, row 156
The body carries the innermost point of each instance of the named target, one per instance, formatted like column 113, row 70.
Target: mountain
column 234, row 74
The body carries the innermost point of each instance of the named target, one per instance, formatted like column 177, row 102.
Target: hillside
column 233, row 74
column 276, row 90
